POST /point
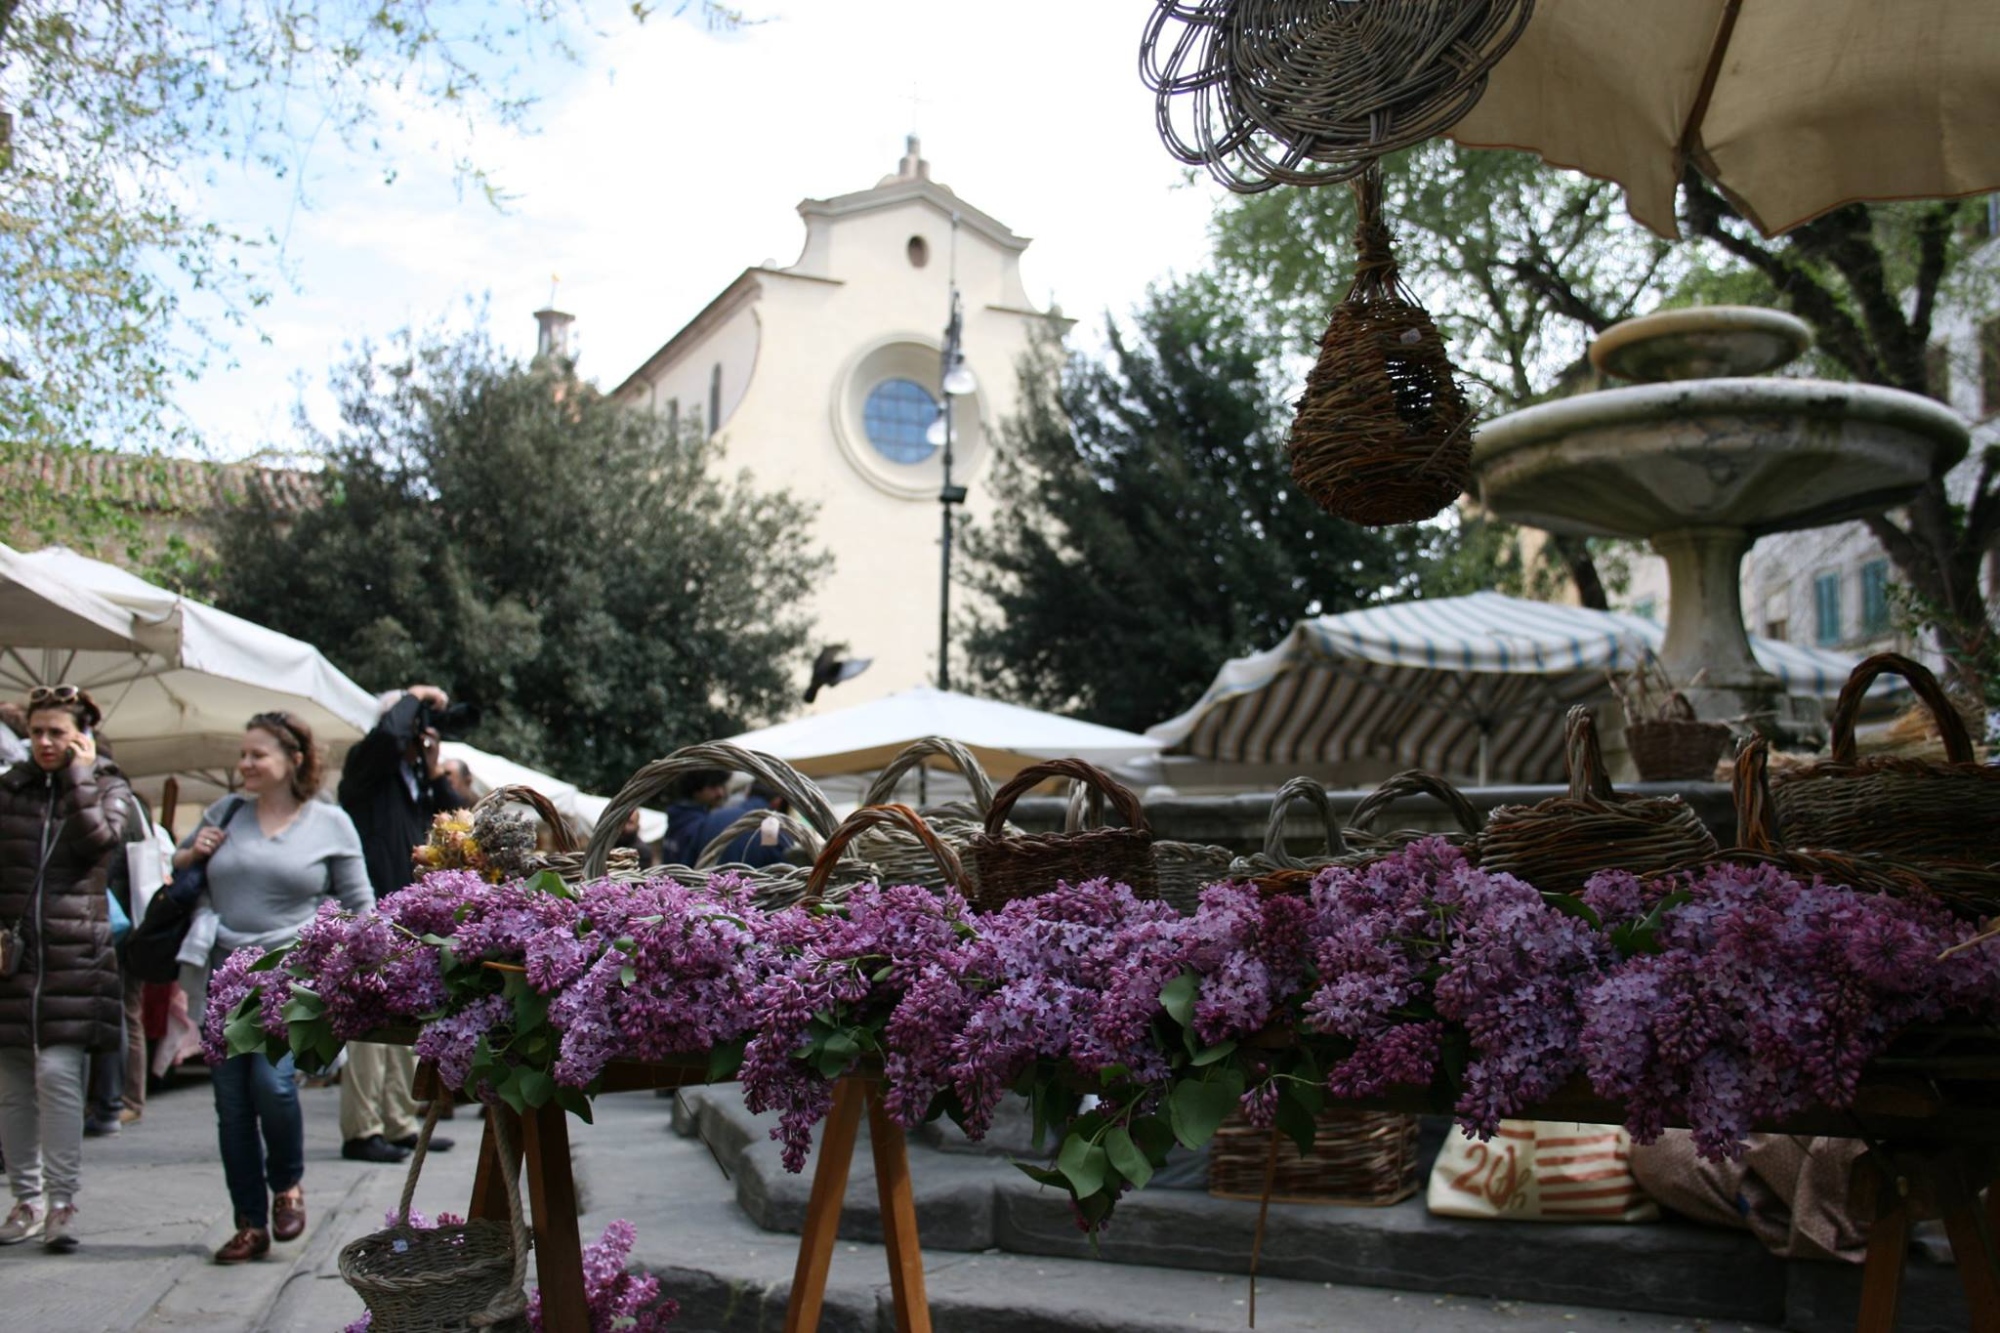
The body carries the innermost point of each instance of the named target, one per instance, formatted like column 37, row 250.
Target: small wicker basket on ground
column 903, row 858
column 1026, row 865
column 1383, row 433
column 465, row 1278
column 1910, row 809
column 1560, row 843
column 831, row 876
column 1359, row 1158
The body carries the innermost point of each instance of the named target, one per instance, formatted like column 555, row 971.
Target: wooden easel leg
column 1882, row 1273
column 899, row 1219
column 489, row 1198
column 836, row 1153
column 552, row 1204
column 1972, row 1249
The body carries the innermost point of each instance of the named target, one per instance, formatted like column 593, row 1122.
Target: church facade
column 825, row 378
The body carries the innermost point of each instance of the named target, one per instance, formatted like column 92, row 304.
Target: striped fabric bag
column 1540, row 1171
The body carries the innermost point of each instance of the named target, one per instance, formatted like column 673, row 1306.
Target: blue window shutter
column 1826, row 606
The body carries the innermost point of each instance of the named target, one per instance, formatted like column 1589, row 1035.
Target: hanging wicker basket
column 831, row 877
column 1359, row 1158
column 1383, row 433
column 1560, row 843
column 1026, row 865
column 1910, row 809
column 901, row 856
column 467, row 1278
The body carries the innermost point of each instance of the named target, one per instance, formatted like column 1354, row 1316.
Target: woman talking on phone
column 273, row 855
column 62, row 823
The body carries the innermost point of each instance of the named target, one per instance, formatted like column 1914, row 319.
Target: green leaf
column 1126, row 1157
column 531, row 1010
column 1571, row 905
column 536, row 1087
column 573, row 1101
column 724, row 1061
column 1154, row 1137
column 272, row 958
column 1297, row 1122
column 508, row 1086
column 836, row 1053
column 1042, row 1175
column 1197, row 1110
column 1177, row 997
column 1083, row 1164
column 549, row 882
column 1209, row 1055
column 627, row 975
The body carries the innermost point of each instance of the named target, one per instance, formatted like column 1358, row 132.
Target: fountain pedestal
column 1702, row 467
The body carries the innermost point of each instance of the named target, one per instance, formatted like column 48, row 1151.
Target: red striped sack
column 1540, row 1171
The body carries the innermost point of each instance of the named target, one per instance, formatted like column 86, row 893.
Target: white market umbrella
column 176, row 678
column 572, row 802
column 1790, row 107
column 1005, row 738
column 1466, row 687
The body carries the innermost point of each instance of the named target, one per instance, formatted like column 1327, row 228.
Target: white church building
column 825, row 377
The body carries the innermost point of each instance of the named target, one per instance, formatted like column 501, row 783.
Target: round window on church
column 897, row 416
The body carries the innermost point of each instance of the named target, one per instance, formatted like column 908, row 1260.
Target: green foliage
column 1145, row 527
column 511, row 534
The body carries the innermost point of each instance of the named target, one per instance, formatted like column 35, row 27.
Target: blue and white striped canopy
column 1421, row 683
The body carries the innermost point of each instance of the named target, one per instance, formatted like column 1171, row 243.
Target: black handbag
column 152, row 950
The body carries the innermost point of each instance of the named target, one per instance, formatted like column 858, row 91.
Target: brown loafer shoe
column 247, row 1244
column 288, row 1214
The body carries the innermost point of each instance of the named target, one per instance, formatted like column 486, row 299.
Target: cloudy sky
column 669, row 159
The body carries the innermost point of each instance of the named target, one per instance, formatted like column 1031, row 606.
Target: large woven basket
column 1969, row 888
column 774, row 886
column 1362, row 1158
column 1911, row 809
column 903, row 858
column 446, row 1279
column 565, row 855
column 1675, row 746
column 1360, row 831
column 1383, row 433
column 1026, row 865
column 832, row 876
column 1181, row 870
column 1560, row 843
column 1275, row 866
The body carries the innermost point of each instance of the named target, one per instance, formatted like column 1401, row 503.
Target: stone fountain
column 1700, row 458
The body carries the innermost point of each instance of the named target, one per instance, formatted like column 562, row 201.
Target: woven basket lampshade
column 1383, row 433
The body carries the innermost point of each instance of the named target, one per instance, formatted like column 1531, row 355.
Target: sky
column 670, row 158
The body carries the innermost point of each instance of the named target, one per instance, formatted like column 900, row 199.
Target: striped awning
column 1430, row 684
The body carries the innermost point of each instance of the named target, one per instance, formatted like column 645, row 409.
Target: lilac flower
column 227, row 986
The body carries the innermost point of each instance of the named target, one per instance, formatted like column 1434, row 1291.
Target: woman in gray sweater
column 273, row 855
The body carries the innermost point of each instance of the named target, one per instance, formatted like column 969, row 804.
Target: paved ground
column 153, row 1209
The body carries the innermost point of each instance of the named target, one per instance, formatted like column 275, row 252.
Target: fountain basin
column 1755, row 455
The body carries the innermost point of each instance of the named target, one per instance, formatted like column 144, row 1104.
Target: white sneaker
column 24, row 1223
column 58, row 1233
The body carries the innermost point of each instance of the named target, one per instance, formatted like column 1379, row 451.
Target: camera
column 453, row 722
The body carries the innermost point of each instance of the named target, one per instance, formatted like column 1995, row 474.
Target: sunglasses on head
column 54, row 694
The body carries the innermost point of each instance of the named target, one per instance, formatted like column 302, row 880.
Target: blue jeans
column 253, row 1095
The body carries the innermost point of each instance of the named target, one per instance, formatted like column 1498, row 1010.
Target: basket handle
column 1957, row 744
column 1756, row 827
column 882, row 791
column 560, row 828
column 512, row 1299
column 750, row 820
column 1033, row 775
column 877, row 816
column 1313, row 794
column 1583, row 757
column 1412, row 782
column 653, row 780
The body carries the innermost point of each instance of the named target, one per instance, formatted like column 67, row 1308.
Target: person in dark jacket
column 392, row 785
column 695, row 796
column 62, row 823
column 764, row 846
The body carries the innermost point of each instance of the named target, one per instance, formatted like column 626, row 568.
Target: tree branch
column 1845, row 238
column 1933, row 254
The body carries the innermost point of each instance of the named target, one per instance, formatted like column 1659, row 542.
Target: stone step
column 973, row 1203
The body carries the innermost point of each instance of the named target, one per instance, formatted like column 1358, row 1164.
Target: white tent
column 1463, row 686
column 490, row 771
column 1005, row 738
column 176, row 678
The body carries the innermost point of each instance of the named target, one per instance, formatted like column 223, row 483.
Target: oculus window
column 896, row 416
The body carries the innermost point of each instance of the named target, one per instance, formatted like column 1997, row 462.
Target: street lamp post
column 956, row 382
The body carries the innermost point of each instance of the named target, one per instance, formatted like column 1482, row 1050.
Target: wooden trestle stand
column 552, row 1203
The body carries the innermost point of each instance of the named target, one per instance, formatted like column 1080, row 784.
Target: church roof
column 912, row 180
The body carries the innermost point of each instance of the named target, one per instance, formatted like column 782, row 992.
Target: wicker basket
column 775, row 886
column 566, row 856
column 830, row 866
column 1676, row 746
column 1361, row 1158
column 1966, row 887
column 902, row 857
column 1275, row 867
column 1181, row 870
column 1026, row 865
column 1382, row 434
column 1360, row 833
column 446, row 1279
column 1560, row 843
column 1911, row 809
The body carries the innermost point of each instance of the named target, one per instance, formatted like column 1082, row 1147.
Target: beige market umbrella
column 1790, row 107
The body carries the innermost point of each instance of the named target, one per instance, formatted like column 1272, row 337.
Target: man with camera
column 392, row 786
